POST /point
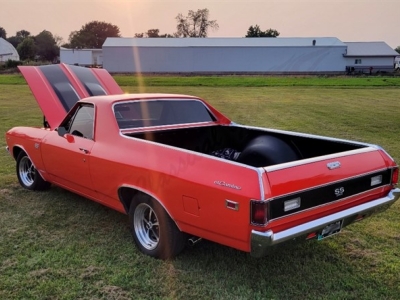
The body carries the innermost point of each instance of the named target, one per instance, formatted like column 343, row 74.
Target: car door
column 67, row 157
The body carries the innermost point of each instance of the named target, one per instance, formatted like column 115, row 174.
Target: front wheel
column 28, row 176
column 153, row 230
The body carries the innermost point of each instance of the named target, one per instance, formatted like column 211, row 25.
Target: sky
column 348, row 20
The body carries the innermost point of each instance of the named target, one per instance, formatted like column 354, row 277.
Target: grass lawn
column 56, row 245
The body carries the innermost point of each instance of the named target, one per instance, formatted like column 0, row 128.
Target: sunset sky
column 348, row 20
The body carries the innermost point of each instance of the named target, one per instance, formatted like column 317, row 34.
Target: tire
column 266, row 150
column 153, row 230
column 28, row 176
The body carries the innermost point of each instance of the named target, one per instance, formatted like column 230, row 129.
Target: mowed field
column 56, row 245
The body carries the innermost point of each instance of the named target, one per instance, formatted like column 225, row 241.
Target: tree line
column 45, row 46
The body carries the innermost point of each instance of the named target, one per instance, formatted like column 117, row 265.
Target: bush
column 12, row 64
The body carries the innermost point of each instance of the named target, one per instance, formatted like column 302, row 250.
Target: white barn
column 7, row 51
column 370, row 57
column 81, row 57
column 224, row 55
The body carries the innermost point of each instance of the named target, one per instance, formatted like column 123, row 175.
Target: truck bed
column 277, row 146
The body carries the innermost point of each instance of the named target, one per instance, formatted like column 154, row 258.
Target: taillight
column 395, row 176
column 259, row 212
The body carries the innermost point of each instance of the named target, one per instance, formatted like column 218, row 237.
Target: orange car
column 182, row 171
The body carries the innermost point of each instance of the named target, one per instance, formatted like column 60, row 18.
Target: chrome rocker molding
column 261, row 242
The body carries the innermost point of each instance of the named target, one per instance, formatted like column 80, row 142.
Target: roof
column 106, row 99
column 222, row 42
column 369, row 49
column 79, row 50
column 7, row 51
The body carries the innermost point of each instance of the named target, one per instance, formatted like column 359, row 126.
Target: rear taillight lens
column 395, row 176
column 259, row 212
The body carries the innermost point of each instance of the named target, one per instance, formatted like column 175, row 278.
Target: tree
column 59, row 40
column 93, row 35
column 46, row 46
column 23, row 34
column 397, row 49
column 255, row 31
column 153, row 33
column 15, row 41
column 18, row 37
column 195, row 24
column 3, row 33
column 26, row 49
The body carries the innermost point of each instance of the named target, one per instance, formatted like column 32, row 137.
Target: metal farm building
column 81, row 57
column 224, row 55
column 7, row 51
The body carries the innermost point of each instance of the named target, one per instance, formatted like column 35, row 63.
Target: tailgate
column 326, row 180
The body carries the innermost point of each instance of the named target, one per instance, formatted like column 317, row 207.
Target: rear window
column 161, row 112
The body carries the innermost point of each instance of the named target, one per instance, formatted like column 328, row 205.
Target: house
column 369, row 57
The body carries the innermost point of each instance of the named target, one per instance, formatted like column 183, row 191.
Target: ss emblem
column 339, row 191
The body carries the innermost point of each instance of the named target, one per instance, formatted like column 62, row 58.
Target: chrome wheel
column 26, row 171
column 146, row 226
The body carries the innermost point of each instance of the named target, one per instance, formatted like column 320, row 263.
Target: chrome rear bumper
column 261, row 242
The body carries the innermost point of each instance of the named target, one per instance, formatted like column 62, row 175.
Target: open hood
column 57, row 88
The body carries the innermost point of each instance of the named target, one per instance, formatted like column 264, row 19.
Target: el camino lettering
column 229, row 185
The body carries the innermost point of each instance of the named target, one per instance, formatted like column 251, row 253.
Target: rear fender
column 128, row 193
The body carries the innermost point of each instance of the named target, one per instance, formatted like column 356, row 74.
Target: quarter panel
column 170, row 174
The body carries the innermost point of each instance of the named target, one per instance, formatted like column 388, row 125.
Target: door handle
column 84, row 150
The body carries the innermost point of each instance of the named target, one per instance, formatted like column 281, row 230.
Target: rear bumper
column 262, row 242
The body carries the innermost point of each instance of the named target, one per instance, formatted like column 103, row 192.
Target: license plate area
column 330, row 230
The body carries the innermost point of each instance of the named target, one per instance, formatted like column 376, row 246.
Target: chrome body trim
column 233, row 205
column 383, row 150
column 262, row 242
column 329, row 203
column 333, row 165
column 317, row 159
column 328, row 183
column 307, row 135
column 260, row 171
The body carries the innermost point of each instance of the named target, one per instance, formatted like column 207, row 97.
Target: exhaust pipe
column 193, row 241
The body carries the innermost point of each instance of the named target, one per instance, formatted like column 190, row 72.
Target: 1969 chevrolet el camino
column 183, row 171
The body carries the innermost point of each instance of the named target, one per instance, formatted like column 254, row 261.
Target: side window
column 83, row 123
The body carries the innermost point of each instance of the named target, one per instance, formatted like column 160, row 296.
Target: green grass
column 259, row 81
column 242, row 81
column 56, row 245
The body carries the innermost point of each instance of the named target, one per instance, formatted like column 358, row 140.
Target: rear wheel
column 28, row 176
column 153, row 230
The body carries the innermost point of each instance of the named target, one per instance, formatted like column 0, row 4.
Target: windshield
column 160, row 112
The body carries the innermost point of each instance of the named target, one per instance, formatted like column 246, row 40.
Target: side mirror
column 70, row 138
column 61, row 131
